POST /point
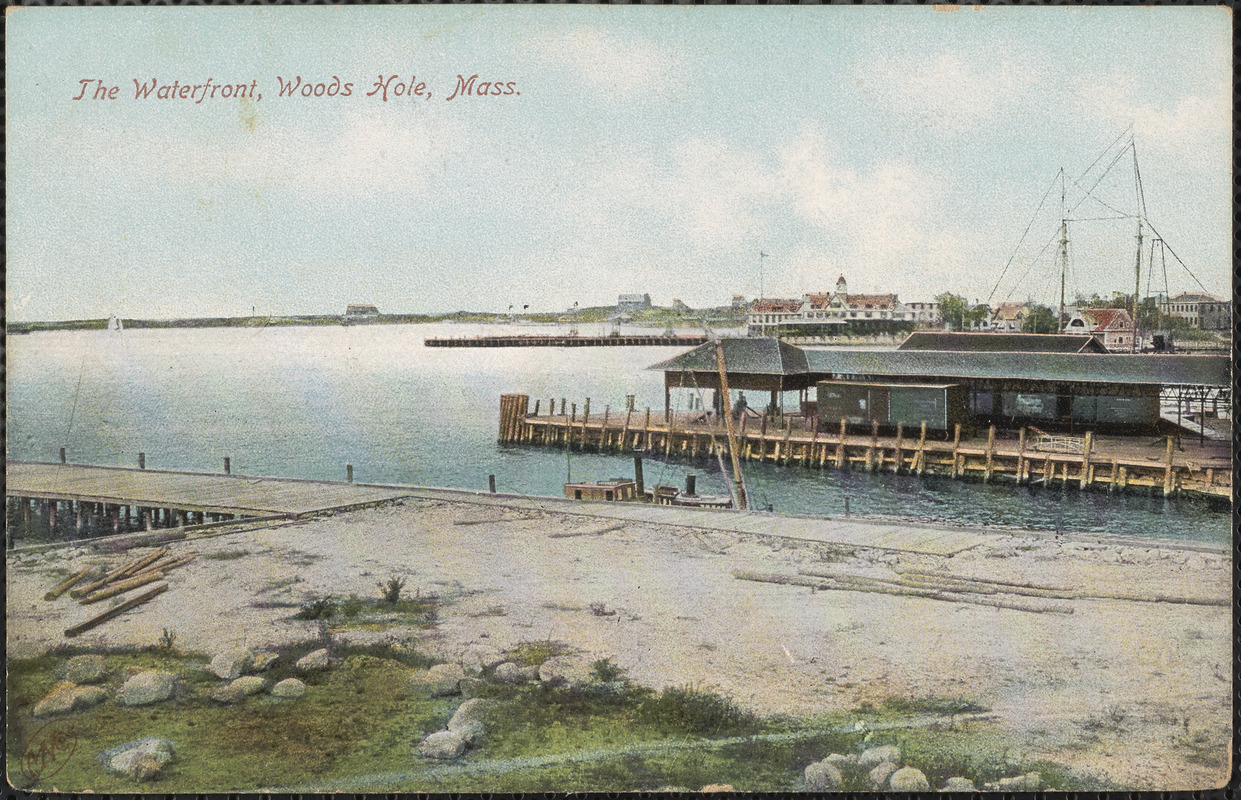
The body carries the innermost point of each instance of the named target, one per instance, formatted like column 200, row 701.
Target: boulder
column 66, row 697
column 878, row 776
column 441, row 680
column 443, row 745
column 908, row 779
column 877, row 755
column 822, row 776
column 288, row 689
column 150, row 686
column 1030, row 782
column 508, row 672
column 261, row 661
column 85, row 669
column 470, row 711
column 472, row 687
column 239, row 690
column 231, row 664
column 564, row 669
column 959, row 785
column 472, row 732
column 842, row 760
column 479, row 657
column 312, row 662
column 142, row 759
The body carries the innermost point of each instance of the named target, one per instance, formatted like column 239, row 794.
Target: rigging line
column 1137, row 179
column 1021, row 241
column 1106, row 150
column 1033, row 261
column 1095, row 185
column 1097, row 219
column 1178, row 258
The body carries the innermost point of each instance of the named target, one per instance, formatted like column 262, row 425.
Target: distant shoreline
column 657, row 317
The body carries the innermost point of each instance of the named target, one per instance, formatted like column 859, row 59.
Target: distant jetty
column 613, row 340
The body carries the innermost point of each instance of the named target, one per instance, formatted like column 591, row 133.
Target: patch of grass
column 697, row 711
column 533, row 654
column 604, row 671
column 226, row 555
column 390, row 590
column 319, row 608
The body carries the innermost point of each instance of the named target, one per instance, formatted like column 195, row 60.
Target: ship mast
column 1140, row 199
column 1064, row 252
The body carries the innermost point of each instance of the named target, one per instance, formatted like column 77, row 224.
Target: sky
column 641, row 149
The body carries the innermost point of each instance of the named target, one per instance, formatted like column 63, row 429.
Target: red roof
column 1104, row 318
column 776, row 306
column 883, row 301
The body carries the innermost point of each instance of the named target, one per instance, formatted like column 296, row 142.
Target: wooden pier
column 554, row 340
column 1115, row 463
column 112, row 498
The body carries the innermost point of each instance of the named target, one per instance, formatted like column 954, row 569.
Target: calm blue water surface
column 303, row 401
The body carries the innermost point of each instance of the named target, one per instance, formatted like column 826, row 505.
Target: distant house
column 829, row 313
column 739, row 303
column 1203, row 311
column 1007, row 317
column 1113, row 327
column 360, row 311
column 633, row 302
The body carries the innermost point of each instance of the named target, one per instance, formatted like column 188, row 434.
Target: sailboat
column 114, row 324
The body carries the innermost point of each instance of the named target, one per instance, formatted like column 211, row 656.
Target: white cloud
column 1186, row 128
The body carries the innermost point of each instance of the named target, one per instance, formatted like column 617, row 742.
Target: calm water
column 304, row 401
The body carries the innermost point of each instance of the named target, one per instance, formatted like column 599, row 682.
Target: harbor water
column 302, row 402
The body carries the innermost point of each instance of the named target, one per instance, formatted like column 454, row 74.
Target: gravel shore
column 1136, row 690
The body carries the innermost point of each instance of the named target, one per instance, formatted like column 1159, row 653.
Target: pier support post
column 1084, row 478
column 142, row 461
column 77, row 517
column 986, row 475
column 956, row 450
column 1167, row 472
column 646, row 431
column 62, row 455
column 1021, row 457
column 349, row 473
column 228, row 466
column 920, row 458
column 840, row 446
column 491, row 483
column 51, row 515
column 637, row 476
column 691, row 484
column 146, row 520
column 896, row 463
column 874, row 444
column 1111, row 483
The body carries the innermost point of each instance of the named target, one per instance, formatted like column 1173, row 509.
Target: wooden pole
column 63, row 586
column 646, row 431
column 900, row 434
column 874, row 443
column 986, row 475
column 117, row 611
column 624, row 439
column 840, row 446
column 123, row 586
column 1167, row 473
column 1084, row 477
column 921, row 457
column 956, row 449
column 1021, row 457
column 738, row 481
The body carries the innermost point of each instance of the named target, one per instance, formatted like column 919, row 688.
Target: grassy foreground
column 358, row 726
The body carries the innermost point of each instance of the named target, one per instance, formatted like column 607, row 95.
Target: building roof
column 755, row 356
column 879, row 301
column 1156, row 370
column 1193, row 297
column 776, row 305
column 1104, row 318
column 1008, row 311
column 766, row 356
column 1002, row 342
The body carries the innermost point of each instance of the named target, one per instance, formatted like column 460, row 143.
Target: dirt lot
column 1136, row 691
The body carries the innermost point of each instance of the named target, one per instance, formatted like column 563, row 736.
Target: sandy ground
column 1124, row 689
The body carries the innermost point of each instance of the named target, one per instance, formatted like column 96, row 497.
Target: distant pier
column 613, row 340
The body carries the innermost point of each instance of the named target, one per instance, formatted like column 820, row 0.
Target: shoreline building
column 839, row 313
column 1204, row 311
column 1113, row 327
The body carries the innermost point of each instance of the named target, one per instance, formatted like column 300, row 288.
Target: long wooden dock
column 614, row 340
column 1109, row 463
column 115, row 497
